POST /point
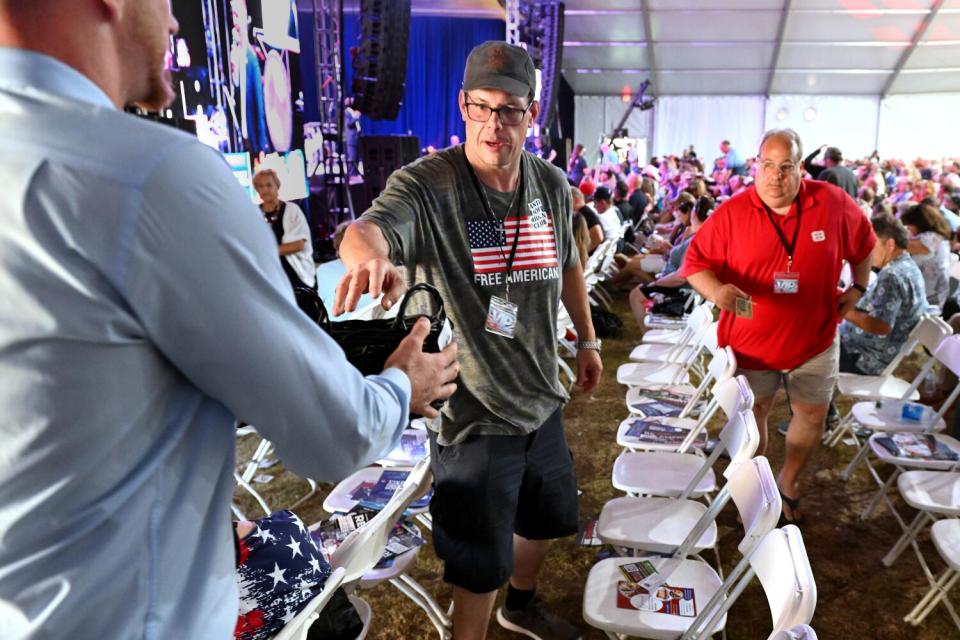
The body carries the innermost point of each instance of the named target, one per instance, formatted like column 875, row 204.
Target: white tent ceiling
column 753, row 47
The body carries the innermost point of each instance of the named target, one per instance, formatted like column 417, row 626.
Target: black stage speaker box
column 380, row 62
column 381, row 156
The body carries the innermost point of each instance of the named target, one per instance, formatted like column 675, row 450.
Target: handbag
column 368, row 343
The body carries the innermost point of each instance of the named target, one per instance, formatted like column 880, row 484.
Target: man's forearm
column 868, row 323
column 861, row 272
column 573, row 293
column 362, row 242
column 706, row 283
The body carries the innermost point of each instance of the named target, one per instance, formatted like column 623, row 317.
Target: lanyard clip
column 789, row 264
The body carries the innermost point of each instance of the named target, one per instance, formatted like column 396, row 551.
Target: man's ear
column 112, row 8
column 462, row 101
column 534, row 111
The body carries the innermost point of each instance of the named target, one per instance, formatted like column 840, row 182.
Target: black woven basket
column 368, row 343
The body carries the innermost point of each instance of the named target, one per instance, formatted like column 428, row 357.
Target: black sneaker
column 535, row 622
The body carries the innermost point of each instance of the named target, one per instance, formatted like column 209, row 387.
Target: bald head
column 787, row 137
column 120, row 45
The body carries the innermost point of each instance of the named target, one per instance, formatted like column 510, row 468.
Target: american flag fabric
column 280, row 569
column 491, row 242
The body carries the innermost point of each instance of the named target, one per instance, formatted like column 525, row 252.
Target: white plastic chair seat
column 339, row 500
column 631, row 442
column 662, row 336
column 651, row 374
column 883, row 455
column 873, row 387
column 637, row 396
column 661, row 473
column 646, row 352
column 933, row 491
column 658, row 525
column 656, row 321
column 600, row 598
column 946, row 538
column 400, row 564
column 868, row 415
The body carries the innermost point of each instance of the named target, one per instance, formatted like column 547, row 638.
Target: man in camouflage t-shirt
column 489, row 226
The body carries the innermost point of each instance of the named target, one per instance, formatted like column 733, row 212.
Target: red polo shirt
column 739, row 244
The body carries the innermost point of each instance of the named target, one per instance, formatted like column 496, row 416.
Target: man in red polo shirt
column 770, row 258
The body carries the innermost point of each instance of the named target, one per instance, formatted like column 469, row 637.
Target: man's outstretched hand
column 431, row 374
column 374, row 276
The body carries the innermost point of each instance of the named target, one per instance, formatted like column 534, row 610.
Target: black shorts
column 487, row 488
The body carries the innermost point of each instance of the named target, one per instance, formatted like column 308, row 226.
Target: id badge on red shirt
column 787, row 282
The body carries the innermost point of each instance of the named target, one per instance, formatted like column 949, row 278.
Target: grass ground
column 858, row 598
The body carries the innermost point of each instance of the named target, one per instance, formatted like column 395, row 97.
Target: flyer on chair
column 674, row 601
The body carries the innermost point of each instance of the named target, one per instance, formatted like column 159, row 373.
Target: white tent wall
column 597, row 116
column 846, row 122
column 903, row 126
column 704, row 121
column 922, row 125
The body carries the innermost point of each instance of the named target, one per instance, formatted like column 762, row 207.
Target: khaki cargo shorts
column 810, row 383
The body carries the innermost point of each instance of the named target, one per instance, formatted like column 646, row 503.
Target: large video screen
column 236, row 70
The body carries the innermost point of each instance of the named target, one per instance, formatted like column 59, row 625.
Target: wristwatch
column 593, row 345
column 859, row 287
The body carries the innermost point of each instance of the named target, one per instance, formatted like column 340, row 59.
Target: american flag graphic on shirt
column 491, row 243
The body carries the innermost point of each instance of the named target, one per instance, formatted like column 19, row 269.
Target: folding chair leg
column 402, row 587
column 863, row 453
column 428, row 599
column 253, row 492
column 881, row 492
column 936, row 594
column 842, row 428
column 909, row 533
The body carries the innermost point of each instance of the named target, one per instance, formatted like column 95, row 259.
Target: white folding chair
column 359, row 554
column 687, row 475
column 682, row 527
column 929, row 332
column 798, row 632
column 298, row 628
column 696, row 333
column 674, row 335
column 778, row 558
column 867, row 414
column 946, row 538
column 656, row 375
column 783, row 568
column 725, row 395
column 934, row 494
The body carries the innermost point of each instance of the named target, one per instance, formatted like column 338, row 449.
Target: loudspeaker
column 381, row 156
column 380, row 63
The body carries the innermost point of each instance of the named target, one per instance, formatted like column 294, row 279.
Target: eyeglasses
column 510, row 116
column 785, row 168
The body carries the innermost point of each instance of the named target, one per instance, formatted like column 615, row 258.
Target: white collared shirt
column 142, row 307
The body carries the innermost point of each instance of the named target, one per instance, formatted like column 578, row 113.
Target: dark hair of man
column 622, row 189
column 887, row 227
column 704, row 208
column 867, row 195
column 926, row 218
column 832, row 153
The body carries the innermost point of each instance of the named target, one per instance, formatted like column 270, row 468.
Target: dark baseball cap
column 500, row 65
column 602, row 193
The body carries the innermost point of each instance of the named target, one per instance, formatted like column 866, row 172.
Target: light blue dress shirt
column 142, row 307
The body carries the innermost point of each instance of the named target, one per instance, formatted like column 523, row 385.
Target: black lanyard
column 489, row 211
column 792, row 246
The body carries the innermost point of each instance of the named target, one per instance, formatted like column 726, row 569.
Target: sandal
column 793, row 504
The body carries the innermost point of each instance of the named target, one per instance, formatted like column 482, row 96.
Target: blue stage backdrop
column 435, row 57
